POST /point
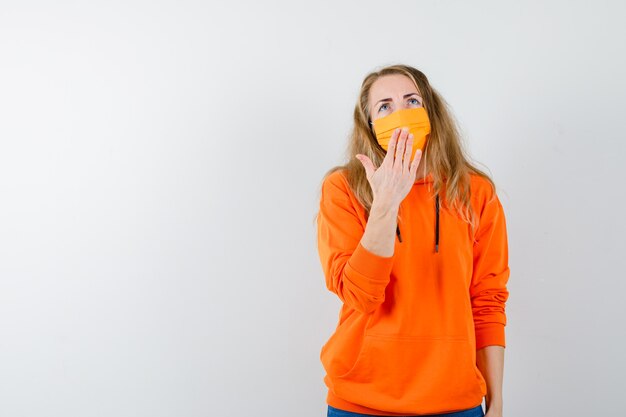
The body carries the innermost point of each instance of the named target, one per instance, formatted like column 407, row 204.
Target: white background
column 160, row 165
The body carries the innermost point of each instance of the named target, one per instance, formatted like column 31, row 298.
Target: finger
column 367, row 164
column 400, row 149
column 391, row 146
column 406, row 168
column 415, row 163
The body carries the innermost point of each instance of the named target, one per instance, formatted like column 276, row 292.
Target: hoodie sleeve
column 358, row 276
column 490, row 276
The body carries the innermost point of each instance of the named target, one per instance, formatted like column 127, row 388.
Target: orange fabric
column 411, row 323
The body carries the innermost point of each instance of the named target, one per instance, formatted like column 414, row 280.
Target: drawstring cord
column 436, row 226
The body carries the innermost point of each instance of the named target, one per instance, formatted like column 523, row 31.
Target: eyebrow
column 405, row 96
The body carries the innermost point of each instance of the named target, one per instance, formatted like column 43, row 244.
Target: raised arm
column 356, row 260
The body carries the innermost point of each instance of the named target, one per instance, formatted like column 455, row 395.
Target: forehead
column 391, row 86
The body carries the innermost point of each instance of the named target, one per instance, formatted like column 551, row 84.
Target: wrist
column 382, row 209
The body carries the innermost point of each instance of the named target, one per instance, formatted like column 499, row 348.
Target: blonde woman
column 412, row 239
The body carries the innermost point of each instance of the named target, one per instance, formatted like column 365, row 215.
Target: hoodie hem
column 341, row 404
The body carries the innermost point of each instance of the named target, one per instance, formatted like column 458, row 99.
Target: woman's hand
column 395, row 177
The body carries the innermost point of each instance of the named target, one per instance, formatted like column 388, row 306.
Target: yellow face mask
column 415, row 119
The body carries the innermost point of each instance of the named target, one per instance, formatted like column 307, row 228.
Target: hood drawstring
column 398, row 233
column 436, row 225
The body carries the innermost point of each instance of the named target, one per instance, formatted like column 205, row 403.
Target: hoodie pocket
column 437, row 371
column 360, row 363
column 362, row 356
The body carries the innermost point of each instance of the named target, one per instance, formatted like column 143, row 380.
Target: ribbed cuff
column 490, row 334
column 369, row 264
column 368, row 274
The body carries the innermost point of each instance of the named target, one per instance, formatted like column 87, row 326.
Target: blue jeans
column 471, row 412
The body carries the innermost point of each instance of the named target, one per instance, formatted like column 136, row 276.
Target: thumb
column 367, row 164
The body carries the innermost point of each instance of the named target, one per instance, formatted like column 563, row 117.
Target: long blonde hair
column 444, row 153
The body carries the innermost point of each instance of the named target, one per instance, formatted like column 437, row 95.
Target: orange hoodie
column 411, row 323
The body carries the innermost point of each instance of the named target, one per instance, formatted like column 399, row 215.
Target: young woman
column 416, row 249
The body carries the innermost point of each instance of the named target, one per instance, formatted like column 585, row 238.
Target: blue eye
column 416, row 101
column 381, row 107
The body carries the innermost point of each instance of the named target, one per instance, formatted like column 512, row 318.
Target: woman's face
column 392, row 92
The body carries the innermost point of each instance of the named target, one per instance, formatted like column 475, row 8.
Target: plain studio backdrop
column 160, row 168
